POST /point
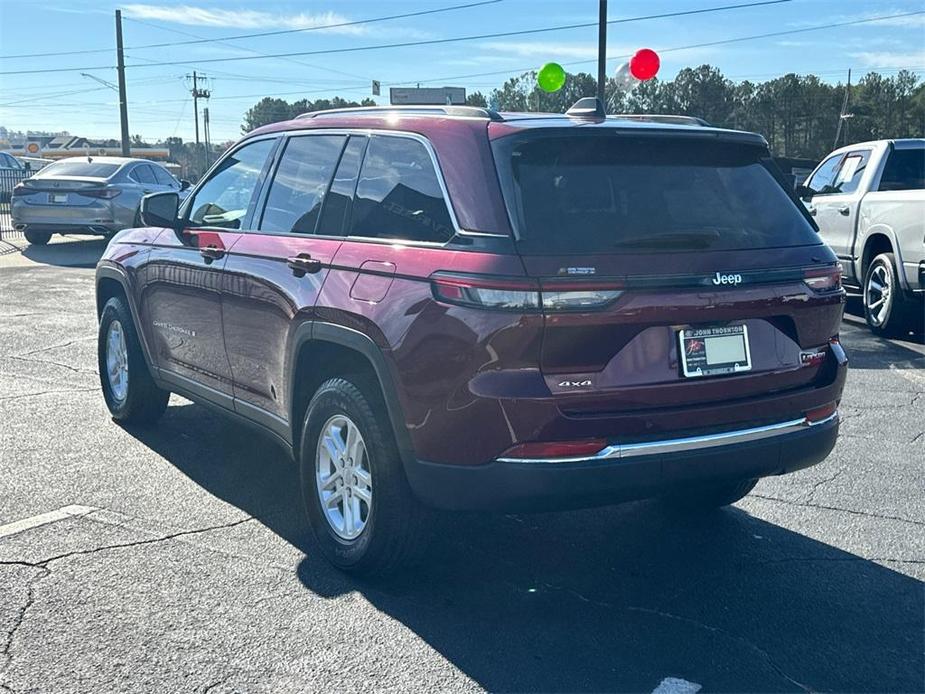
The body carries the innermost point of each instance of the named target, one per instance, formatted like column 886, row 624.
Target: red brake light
column 523, row 294
column 817, row 414
column 19, row 190
column 554, row 449
column 823, row 279
column 104, row 193
column 499, row 293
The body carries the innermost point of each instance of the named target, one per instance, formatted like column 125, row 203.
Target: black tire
column 143, row 402
column 37, row 238
column 395, row 523
column 898, row 314
column 711, row 496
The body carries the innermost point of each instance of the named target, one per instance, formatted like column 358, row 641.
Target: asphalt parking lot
column 181, row 563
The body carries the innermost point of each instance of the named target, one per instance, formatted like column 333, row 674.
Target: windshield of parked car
column 80, row 167
column 606, row 192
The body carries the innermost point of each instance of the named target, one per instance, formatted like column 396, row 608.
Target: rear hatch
column 674, row 268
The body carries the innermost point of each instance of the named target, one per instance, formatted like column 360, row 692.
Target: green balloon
column 551, row 77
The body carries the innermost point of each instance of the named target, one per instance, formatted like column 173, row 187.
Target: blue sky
column 63, row 99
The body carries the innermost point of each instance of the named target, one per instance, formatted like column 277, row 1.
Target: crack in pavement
column 812, row 492
column 43, row 566
column 837, row 509
column 63, row 344
column 689, row 621
column 47, row 392
column 54, row 363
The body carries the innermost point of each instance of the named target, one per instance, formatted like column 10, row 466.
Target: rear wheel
column 130, row 393
column 37, row 238
column 707, row 497
column 886, row 308
column 359, row 504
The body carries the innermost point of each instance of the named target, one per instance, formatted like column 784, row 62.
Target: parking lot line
column 44, row 519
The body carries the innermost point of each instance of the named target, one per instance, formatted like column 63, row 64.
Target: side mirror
column 804, row 192
column 28, row 166
column 185, row 185
column 160, row 210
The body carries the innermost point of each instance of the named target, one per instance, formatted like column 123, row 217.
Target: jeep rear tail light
column 499, row 293
column 579, row 296
column 522, row 294
column 823, row 279
column 566, row 450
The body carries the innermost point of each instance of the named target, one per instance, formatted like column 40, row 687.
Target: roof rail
column 662, row 118
column 466, row 111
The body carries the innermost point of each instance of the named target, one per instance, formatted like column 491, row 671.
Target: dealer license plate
column 714, row 351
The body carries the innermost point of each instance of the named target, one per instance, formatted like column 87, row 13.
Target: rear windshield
column 606, row 193
column 79, row 168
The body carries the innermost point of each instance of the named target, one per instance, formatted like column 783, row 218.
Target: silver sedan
column 87, row 195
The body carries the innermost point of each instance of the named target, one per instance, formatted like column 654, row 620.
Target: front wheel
column 359, row 504
column 130, row 393
column 711, row 496
column 887, row 310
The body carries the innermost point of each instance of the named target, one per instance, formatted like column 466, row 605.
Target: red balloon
column 644, row 65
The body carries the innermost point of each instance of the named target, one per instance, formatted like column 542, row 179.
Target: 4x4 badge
column 575, row 384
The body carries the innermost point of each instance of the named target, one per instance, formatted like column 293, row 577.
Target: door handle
column 303, row 263
column 844, row 210
column 210, row 253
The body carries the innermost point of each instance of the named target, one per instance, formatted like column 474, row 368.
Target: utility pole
column 843, row 114
column 205, row 133
column 123, row 100
column 197, row 95
column 602, row 50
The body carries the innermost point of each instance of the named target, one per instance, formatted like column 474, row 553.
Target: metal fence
column 9, row 178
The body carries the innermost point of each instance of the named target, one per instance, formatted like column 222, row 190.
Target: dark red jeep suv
column 451, row 307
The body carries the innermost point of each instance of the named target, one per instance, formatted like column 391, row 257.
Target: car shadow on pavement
column 606, row 599
column 66, row 253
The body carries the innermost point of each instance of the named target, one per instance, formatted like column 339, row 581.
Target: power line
column 200, row 39
column 434, row 42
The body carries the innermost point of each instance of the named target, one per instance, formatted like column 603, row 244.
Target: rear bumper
column 625, row 473
column 91, row 229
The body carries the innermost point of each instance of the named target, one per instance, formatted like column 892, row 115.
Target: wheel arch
column 324, row 350
column 880, row 239
column 111, row 281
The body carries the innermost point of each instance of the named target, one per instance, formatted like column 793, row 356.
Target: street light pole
column 602, row 50
column 123, row 100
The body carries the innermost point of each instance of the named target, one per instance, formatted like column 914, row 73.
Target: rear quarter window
column 608, row 193
column 904, row 170
column 398, row 194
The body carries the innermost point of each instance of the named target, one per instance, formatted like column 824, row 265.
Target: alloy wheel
column 117, row 361
column 878, row 294
column 342, row 477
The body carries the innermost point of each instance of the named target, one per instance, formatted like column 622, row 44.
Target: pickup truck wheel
column 707, row 497
column 37, row 238
column 360, row 507
column 887, row 310
column 130, row 393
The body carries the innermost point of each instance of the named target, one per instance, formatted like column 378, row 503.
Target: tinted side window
column 301, row 182
column 904, row 170
column 163, row 177
column 223, row 200
column 850, row 173
column 144, row 174
column 398, row 195
column 825, row 174
column 337, row 205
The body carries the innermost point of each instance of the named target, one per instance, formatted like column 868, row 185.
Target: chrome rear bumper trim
column 690, row 443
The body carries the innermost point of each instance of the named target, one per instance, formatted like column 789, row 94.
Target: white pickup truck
column 869, row 202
